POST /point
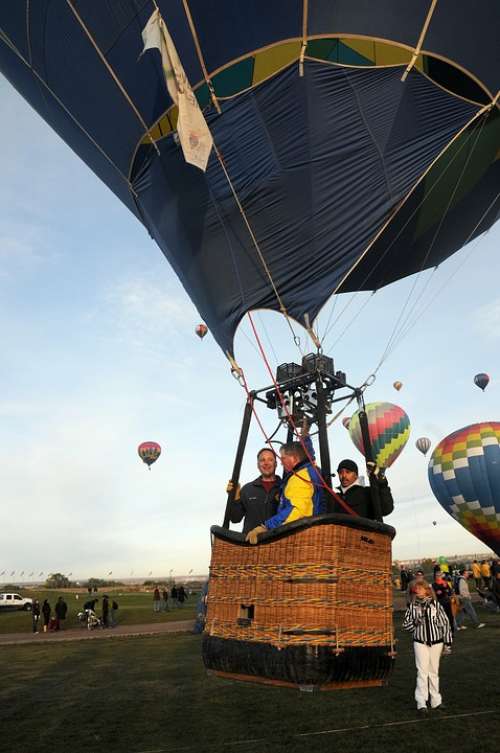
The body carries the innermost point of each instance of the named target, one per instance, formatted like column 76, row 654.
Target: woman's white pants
column 427, row 661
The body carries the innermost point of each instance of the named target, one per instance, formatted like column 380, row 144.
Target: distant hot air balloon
column 149, row 452
column 464, row 474
column 201, row 330
column 345, row 422
column 434, row 523
column 423, row 444
column 389, row 428
column 481, row 380
column 397, row 385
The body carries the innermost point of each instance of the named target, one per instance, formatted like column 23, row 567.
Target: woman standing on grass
column 428, row 622
column 46, row 610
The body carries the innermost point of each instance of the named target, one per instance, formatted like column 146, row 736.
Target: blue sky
column 99, row 353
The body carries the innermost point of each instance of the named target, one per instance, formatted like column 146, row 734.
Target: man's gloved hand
column 374, row 470
column 253, row 535
column 230, row 487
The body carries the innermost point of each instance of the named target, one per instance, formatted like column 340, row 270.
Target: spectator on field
column 112, row 613
column 416, row 578
column 466, row 603
column 201, row 609
column 164, row 597
column 444, row 592
column 476, row 573
column 35, row 615
column 403, row 577
column 181, row 595
column 61, row 610
column 173, row 596
column 156, row 600
column 46, row 612
column 105, row 611
column 426, row 619
column 485, row 573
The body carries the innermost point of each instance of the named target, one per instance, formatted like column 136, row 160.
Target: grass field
column 135, row 608
column 152, row 695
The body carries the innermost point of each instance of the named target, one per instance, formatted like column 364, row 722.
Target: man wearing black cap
column 359, row 497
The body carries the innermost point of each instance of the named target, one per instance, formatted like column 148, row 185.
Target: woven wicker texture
column 328, row 585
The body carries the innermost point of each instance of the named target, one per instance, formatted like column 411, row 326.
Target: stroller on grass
column 89, row 619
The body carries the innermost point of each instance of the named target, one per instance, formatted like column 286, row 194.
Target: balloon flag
column 345, row 422
column 481, row 380
column 201, row 330
column 423, row 444
column 464, row 474
column 397, row 385
column 389, row 429
column 149, row 452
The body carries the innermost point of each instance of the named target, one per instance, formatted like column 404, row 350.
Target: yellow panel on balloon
column 273, row 59
column 364, row 47
column 389, row 54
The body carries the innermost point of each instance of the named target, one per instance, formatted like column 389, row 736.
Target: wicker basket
column 310, row 605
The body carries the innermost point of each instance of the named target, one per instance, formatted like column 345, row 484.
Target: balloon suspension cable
column 201, row 59
column 289, row 416
column 238, row 373
column 466, row 258
column 416, row 51
column 312, row 334
column 401, row 323
column 486, row 109
column 303, row 48
column 113, row 75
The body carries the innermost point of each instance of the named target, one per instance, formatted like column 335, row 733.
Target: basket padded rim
column 350, row 521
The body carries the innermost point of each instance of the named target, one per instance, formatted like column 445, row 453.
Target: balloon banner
column 464, row 474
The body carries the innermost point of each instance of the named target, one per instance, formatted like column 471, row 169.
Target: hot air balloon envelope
column 149, row 452
column 423, row 444
column 464, row 474
column 397, row 385
column 481, row 380
column 389, row 428
column 288, row 154
column 201, row 330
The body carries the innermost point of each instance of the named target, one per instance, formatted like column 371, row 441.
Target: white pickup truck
column 14, row 601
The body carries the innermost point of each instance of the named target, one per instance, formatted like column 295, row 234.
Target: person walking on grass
column 105, row 611
column 46, row 612
column 165, row 599
column 444, row 592
column 476, row 573
column 466, row 603
column 35, row 615
column 427, row 620
column 485, row 573
column 112, row 613
column 61, row 610
column 156, row 600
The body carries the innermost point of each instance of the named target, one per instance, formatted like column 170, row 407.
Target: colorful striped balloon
column 464, row 474
column 389, row 429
